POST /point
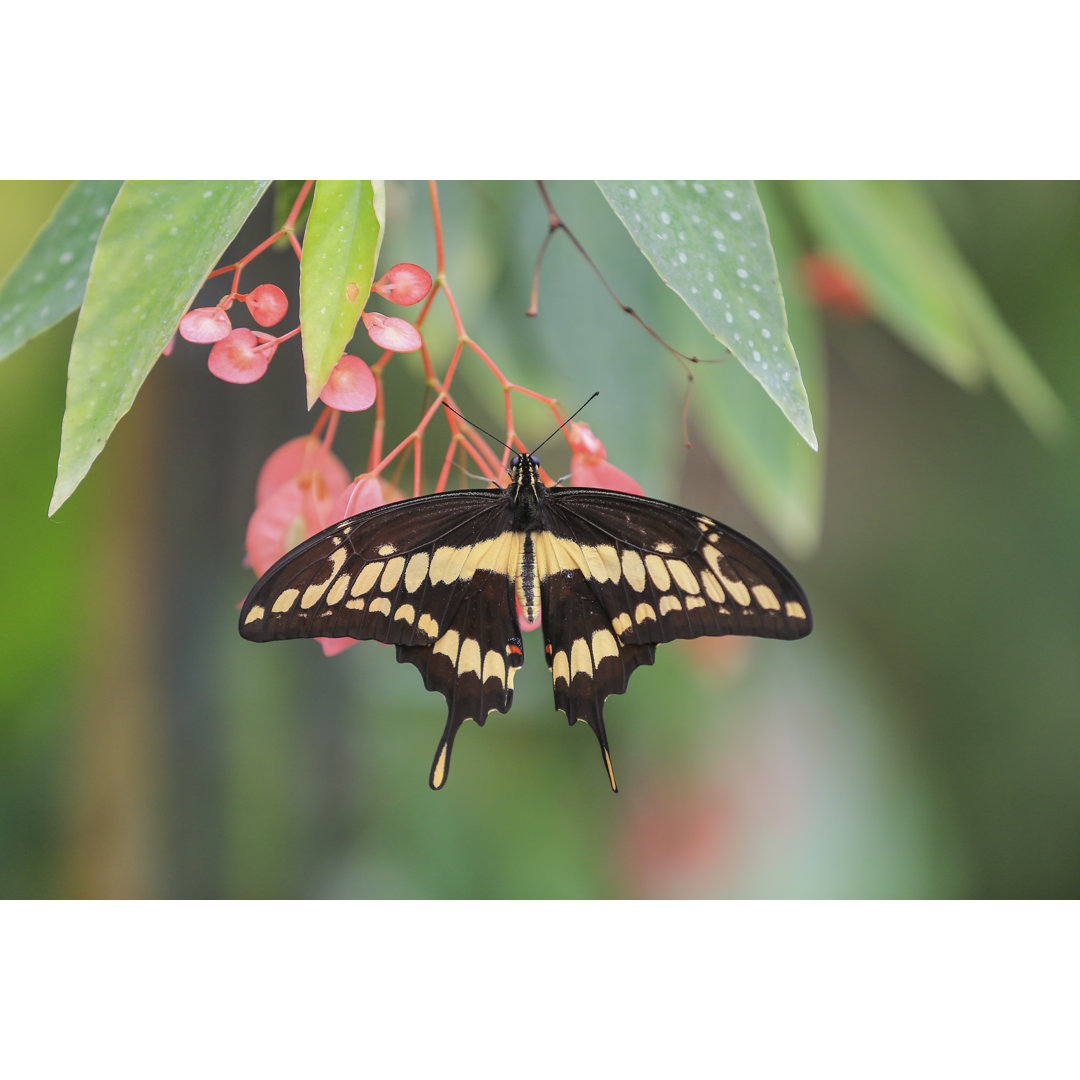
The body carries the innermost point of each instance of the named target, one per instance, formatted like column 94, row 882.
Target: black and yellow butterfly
column 611, row 575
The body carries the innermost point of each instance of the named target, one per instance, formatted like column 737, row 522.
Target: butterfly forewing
column 661, row 571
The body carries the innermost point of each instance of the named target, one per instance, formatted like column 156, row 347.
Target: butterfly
column 609, row 576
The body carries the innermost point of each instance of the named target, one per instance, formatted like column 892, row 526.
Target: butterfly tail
column 440, row 765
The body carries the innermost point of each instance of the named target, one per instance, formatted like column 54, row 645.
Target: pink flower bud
column 205, row 325
column 351, row 386
column 405, row 283
column 267, row 304
column 237, row 358
column 393, row 334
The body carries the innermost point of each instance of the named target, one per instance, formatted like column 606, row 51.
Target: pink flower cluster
column 240, row 355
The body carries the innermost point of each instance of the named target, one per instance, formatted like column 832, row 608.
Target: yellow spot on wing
column 366, row 578
column 355, row 605
column 580, row 658
column 313, row 594
column 428, row 625
column 739, row 592
column 337, row 560
column 683, row 575
column 602, row 562
column 339, row 589
column 794, row 609
column 603, row 645
column 448, row 644
column 621, row 623
column 285, row 599
column 406, row 612
column 416, row 571
column 765, row 597
column 446, row 564
column 381, row 606
column 392, row 574
column 469, row 659
column 658, row 572
column 670, row 603
column 634, row 569
column 663, row 547
column 560, row 668
column 494, row 666
column 258, row 612
column 643, row 612
column 713, row 588
column 387, row 549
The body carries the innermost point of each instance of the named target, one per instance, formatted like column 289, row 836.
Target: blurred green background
column 923, row 742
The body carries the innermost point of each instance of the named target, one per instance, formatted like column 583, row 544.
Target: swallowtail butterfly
column 610, row 575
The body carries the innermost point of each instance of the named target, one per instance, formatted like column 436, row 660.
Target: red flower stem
column 294, row 213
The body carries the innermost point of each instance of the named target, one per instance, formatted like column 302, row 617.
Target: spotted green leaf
column 709, row 242
column 778, row 476
column 157, row 246
column 50, row 281
column 341, row 249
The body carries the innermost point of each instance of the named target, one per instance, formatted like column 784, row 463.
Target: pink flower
column 589, row 466
column 267, row 304
column 300, row 457
column 238, row 358
column 351, row 386
column 391, row 333
column 404, row 284
column 364, row 493
column 205, row 325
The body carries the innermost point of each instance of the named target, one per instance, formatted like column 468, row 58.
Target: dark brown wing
column 621, row 573
column 433, row 576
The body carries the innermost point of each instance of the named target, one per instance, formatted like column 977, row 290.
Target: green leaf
column 709, row 243
column 50, row 281
column 778, row 476
column 341, row 248
column 891, row 239
column 159, row 242
column 920, row 286
column 1009, row 364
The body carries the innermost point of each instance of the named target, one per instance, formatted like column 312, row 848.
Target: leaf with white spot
column 778, row 476
column 50, row 281
column 159, row 242
column 709, row 242
column 341, row 249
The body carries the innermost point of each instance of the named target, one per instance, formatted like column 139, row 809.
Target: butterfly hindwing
column 474, row 660
column 587, row 661
column 433, row 576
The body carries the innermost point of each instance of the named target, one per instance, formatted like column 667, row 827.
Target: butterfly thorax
column 527, row 491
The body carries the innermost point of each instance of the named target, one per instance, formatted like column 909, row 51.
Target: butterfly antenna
column 446, row 405
column 564, row 423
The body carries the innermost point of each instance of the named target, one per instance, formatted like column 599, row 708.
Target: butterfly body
column 609, row 575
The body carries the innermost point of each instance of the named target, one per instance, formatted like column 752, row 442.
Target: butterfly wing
column 433, row 576
column 621, row 573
